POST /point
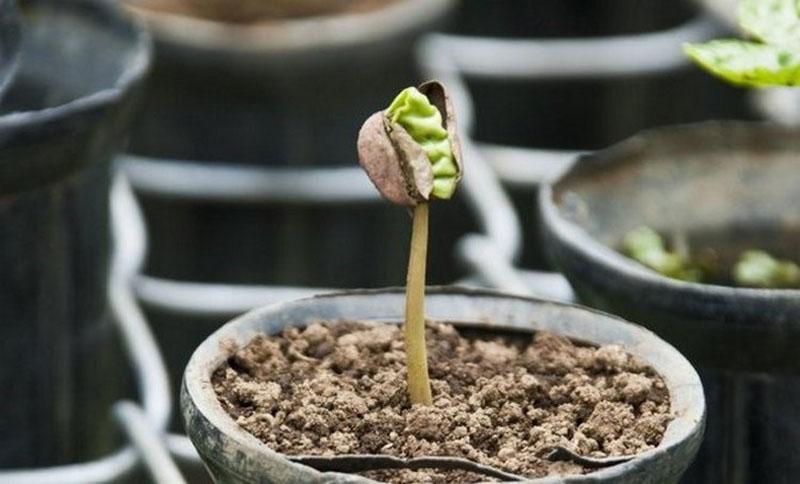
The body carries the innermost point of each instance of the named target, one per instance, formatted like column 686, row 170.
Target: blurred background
column 169, row 164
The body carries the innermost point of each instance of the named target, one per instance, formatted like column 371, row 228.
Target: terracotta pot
column 234, row 456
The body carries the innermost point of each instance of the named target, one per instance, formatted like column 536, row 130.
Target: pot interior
column 726, row 187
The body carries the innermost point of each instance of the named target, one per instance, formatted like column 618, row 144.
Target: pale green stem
column 419, row 385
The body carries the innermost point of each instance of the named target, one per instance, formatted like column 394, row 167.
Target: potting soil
column 504, row 401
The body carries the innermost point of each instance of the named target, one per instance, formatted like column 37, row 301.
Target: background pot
column 729, row 185
column 62, row 118
column 234, row 456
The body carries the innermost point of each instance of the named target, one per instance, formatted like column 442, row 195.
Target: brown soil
column 255, row 11
column 500, row 401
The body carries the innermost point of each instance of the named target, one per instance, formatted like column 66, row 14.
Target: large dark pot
column 234, row 456
column 62, row 119
column 731, row 186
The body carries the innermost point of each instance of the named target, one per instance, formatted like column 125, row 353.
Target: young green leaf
column 771, row 21
column 747, row 63
column 422, row 120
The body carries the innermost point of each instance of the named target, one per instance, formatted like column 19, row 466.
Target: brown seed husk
column 380, row 160
column 414, row 162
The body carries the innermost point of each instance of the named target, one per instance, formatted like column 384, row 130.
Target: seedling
column 753, row 268
column 771, row 59
column 645, row 246
column 411, row 153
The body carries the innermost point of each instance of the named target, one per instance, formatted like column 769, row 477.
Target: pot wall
column 62, row 368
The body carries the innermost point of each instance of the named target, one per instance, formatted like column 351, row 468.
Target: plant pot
column 234, row 456
column 726, row 184
column 62, row 119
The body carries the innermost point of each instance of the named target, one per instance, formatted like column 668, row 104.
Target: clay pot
column 234, row 456
column 63, row 117
column 728, row 185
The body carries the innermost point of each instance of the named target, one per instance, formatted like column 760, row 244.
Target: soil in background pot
column 501, row 400
column 255, row 11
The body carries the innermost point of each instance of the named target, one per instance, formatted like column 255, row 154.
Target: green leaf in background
column 771, row 21
column 747, row 63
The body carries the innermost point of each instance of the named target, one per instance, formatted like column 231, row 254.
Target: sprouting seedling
column 411, row 153
column 771, row 59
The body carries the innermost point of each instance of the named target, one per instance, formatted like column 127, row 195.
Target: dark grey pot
column 62, row 118
column 731, row 185
column 234, row 456
column 9, row 42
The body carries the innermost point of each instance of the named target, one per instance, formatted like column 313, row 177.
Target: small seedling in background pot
column 756, row 268
column 771, row 59
column 411, row 153
column 646, row 246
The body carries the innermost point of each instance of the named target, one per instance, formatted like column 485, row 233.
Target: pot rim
column 686, row 393
column 578, row 240
column 110, row 16
column 293, row 35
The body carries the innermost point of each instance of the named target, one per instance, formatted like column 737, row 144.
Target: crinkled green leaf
column 423, row 122
column 747, row 63
column 756, row 268
column 771, row 21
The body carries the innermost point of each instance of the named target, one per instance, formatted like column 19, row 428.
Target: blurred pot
column 730, row 186
column 234, row 456
column 62, row 118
